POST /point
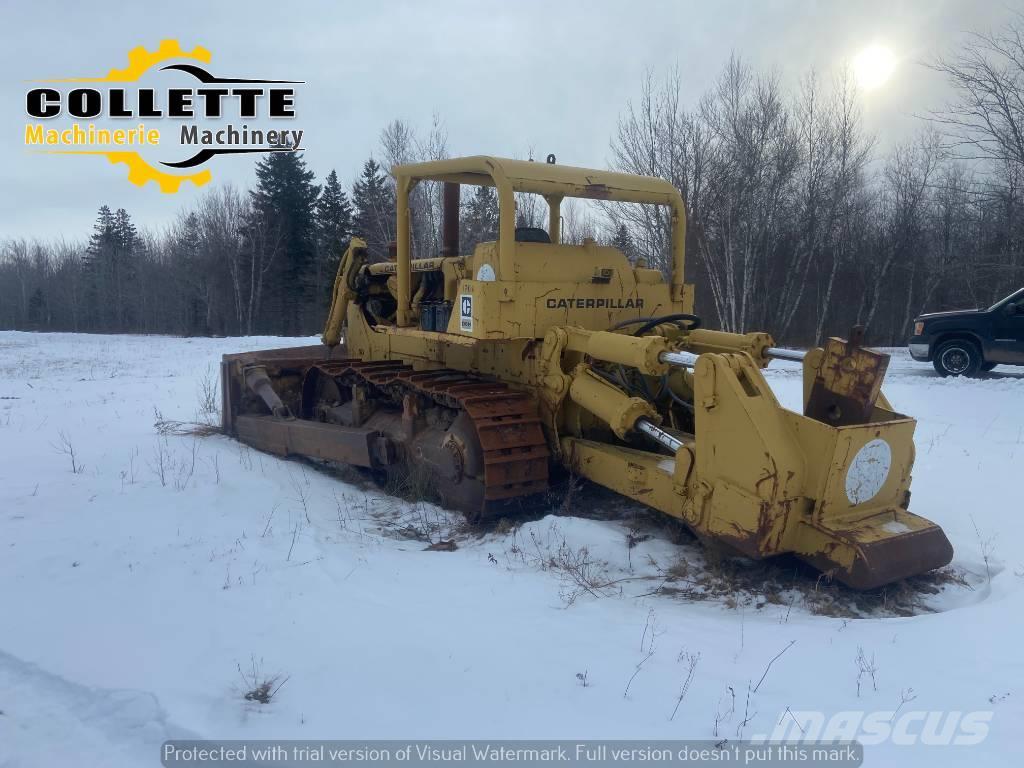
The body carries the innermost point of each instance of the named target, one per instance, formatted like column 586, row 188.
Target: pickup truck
column 964, row 342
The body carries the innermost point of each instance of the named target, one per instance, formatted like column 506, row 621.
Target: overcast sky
column 504, row 77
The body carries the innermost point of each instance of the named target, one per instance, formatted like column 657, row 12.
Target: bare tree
column 578, row 222
column 401, row 144
column 985, row 121
column 831, row 199
column 752, row 178
column 260, row 245
column 222, row 212
column 791, row 226
column 656, row 137
column 907, row 179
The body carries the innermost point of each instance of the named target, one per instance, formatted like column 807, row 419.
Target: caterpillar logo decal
column 595, row 303
column 96, row 107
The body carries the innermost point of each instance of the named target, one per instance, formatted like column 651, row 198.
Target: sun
column 873, row 66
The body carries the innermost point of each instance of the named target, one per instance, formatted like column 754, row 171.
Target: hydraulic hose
column 677, row 319
column 648, row 323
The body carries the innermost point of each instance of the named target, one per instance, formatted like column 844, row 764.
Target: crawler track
column 514, row 450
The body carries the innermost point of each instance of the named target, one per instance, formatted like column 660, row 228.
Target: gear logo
column 93, row 101
column 140, row 61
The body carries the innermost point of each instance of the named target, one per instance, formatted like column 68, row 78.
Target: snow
column 56, row 720
column 895, row 526
column 132, row 610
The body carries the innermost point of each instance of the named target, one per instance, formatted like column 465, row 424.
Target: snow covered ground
column 141, row 593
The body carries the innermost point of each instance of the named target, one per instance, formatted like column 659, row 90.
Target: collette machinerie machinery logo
column 121, row 118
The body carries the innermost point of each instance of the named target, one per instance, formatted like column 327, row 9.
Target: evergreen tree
column 333, row 228
column 186, row 250
column 374, row 200
column 124, row 270
column 98, row 256
column 624, row 242
column 125, row 233
column 283, row 205
column 38, row 312
column 479, row 219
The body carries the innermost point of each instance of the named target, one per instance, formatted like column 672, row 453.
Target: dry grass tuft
column 706, row 572
column 258, row 686
column 166, row 427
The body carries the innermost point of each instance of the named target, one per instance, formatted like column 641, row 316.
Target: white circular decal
column 868, row 471
column 485, row 274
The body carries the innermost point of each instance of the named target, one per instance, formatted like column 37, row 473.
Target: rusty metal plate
column 848, row 383
column 347, row 445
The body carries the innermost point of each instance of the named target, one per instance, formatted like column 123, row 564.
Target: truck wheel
column 957, row 358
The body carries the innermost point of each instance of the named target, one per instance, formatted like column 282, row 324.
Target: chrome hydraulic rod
column 689, row 360
column 680, row 359
column 785, row 354
column 663, row 437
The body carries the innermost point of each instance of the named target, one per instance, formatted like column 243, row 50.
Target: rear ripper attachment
column 829, row 485
column 478, row 444
column 866, row 516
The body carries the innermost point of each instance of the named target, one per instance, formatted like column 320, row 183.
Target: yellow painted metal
column 554, row 182
column 658, row 481
column 609, row 403
column 542, row 318
column 641, row 353
column 704, row 340
column 766, row 481
column 812, row 364
column 404, row 236
column 554, row 218
column 845, row 373
column 343, row 292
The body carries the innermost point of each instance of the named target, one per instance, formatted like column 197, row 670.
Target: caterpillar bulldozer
column 495, row 370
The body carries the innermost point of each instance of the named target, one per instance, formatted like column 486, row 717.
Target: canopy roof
column 543, row 179
column 554, row 182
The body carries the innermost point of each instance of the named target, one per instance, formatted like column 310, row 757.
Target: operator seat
column 532, row 235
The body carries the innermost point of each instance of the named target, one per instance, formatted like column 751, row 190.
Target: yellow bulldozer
column 495, row 370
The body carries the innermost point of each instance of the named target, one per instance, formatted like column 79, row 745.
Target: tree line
column 261, row 261
column 796, row 223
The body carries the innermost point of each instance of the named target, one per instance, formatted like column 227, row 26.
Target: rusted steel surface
column 232, row 383
column 597, row 192
column 307, row 354
column 514, row 450
column 885, row 561
column 295, row 437
column 450, row 219
column 849, row 381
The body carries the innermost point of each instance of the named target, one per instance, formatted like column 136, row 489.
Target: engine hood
column 954, row 313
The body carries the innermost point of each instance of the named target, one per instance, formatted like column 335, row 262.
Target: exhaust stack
column 450, row 220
